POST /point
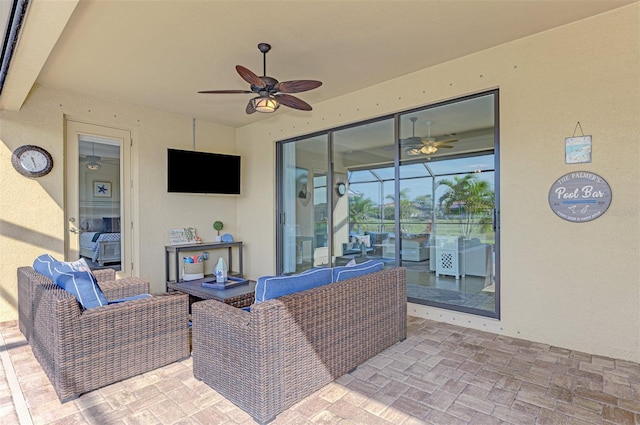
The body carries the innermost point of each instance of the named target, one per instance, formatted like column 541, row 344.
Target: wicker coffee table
column 237, row 296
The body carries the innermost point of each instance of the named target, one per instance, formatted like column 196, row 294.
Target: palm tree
column 468, row 197
column 360, row 211
column 406, row 206
column 424, row 203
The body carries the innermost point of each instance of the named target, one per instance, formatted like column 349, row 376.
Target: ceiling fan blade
column 411, row 141
column 225, row 91
column 250, row 109
column 293, row 102
column 438, row 145
column 297, row 86
column 90, row 158
column 250, row 77
column 448, row 141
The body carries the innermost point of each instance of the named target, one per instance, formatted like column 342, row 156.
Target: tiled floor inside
column 441, row 374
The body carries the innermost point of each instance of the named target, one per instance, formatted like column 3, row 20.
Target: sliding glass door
column 359, row 225
column 302, row 218
column 447, row 199
column 417, row 189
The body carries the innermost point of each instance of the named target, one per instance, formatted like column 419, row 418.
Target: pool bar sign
column 580, row 196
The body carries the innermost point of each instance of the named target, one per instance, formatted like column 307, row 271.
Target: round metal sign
column 580, row 196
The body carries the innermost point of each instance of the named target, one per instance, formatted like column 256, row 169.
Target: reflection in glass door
column 99, row 201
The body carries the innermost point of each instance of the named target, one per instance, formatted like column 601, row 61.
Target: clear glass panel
column 445, row 201
column 304, row 204
column 447, row 197
column 99, row 201
column 361, row 222
column 320, row 215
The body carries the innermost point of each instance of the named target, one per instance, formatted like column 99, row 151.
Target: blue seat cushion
column 131, row 298
column 269, row 287
column 347, row 272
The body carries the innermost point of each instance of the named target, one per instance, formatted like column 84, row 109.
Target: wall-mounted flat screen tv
column 203, row 172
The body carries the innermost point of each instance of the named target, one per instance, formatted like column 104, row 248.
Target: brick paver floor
column 441, row 374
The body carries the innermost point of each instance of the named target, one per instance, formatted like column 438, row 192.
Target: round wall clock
column 341, row 188
column 32, row 161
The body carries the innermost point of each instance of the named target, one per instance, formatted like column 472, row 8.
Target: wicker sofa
column 82, row 350
column 284, row 349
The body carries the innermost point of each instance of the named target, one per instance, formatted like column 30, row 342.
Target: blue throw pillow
column 44, row 265
column 269, row 287
column 76, row 277
column 347, row 272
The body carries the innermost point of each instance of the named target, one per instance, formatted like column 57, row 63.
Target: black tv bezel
column 204, row 174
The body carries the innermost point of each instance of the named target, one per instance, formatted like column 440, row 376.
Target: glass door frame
column 74, row 130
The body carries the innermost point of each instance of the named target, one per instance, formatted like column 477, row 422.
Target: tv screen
column 203, row 172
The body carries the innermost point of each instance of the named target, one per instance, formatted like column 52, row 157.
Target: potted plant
column 217, row 225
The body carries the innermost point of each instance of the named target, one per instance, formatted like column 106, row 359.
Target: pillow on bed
column 91, row 225
column 111, row 224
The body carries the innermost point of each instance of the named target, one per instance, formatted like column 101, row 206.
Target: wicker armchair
column 82, row 350
column 105, row 277
column 266, row 360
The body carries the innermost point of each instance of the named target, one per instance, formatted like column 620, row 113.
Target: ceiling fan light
column 93, row 166
column 265, row 104
column 428, row 149
column 413, row 151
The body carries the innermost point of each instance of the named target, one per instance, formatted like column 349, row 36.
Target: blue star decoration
column 102, row 189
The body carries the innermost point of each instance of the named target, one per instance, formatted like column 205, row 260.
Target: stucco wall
column 572, row 285
column 565, row 284
column 31, row 210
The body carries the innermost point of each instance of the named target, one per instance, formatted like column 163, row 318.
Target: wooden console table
column 175, row 250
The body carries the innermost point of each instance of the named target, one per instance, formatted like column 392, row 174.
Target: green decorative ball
column 217, row 225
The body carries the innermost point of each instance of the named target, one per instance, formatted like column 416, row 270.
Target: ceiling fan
column 93, row 161
column 271, row 93
column 424, row 145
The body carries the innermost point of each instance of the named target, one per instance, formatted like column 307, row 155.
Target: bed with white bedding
column 101, row 242
column 100, row 247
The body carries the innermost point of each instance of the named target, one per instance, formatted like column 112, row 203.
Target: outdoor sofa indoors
column 285, row 348
column 414, row 247
column 81, row 349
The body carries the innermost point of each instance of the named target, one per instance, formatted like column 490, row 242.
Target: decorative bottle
column 221, row 271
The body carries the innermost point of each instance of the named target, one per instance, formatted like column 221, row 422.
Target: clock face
column 32, row 161
column 341, row 188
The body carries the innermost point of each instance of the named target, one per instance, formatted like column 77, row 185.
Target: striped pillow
column 76, row 277
column 347, row 272
column 44, row 265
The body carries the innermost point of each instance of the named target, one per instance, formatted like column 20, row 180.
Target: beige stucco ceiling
column 160, row 53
